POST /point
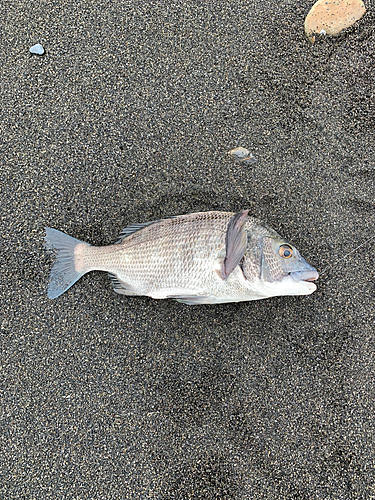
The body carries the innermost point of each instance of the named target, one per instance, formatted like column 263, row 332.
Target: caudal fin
column 63, row 273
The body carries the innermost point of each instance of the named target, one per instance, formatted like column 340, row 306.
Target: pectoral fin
column 235, row 242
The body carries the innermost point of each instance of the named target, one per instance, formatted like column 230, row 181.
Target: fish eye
column 285, row 251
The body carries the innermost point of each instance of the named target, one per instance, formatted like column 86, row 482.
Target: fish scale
column 172, row 253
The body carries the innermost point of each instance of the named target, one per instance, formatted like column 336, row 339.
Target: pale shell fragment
column 242, row 155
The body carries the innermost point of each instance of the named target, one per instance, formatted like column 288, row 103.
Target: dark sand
column 128, row 117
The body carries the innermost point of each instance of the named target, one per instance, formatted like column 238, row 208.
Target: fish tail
column 67, row 269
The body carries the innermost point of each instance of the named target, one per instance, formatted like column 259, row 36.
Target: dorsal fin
column 133, row 228
column 235, row 242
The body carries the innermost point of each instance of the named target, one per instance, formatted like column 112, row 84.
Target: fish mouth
column 305, row 275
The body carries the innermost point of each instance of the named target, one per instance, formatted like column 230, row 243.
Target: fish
column 198, row 258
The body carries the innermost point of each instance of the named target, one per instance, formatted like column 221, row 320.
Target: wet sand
column 128, row 117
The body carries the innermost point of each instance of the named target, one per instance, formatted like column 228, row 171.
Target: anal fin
column 119, row 286
column 193, row 299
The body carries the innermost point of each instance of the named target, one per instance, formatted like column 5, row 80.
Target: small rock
column 37, row 49
column 332, row 16
column 242, row 154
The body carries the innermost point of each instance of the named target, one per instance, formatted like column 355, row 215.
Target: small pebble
column 37, row 49
column 332, row 16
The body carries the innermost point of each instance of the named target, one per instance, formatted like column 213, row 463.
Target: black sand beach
column 128, row 117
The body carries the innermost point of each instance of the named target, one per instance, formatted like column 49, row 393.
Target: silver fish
column 199, row 258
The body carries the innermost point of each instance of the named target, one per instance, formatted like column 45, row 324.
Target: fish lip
column 310, row 275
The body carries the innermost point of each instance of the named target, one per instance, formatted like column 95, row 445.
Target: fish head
column 281, row 268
